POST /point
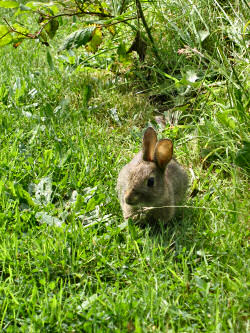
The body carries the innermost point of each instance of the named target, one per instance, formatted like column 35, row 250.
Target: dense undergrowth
column 68, row 262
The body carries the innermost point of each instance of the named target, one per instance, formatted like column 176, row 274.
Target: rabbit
column 152, row 183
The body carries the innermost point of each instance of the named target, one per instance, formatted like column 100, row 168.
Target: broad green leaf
column 78, row 38
column 79, row 202
column 91, row 205
column 3, row 30
column 43, row 38
column 20, row 29
column 51, row 28
column 5, row 37
column 9, row 4
column 22, row 10
column 41, row 5
column 35, row 4
column 23, row 7
column 95, row 41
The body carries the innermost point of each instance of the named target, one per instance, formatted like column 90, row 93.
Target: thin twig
column 18, row 32
column 52, row 17
column 125, row 20
column 77, row 14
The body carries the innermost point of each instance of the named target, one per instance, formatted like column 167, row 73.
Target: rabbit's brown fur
column 153, row 179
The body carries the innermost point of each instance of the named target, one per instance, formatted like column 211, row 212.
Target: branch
column 76, row 14
column 139, row 8
column 19, row 32
column 50, row 18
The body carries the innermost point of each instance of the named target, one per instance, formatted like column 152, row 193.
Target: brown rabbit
column 152, row 179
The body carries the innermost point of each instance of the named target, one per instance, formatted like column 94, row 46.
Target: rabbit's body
column 152, row 179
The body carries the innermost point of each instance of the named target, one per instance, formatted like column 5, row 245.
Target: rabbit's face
column 146, row 185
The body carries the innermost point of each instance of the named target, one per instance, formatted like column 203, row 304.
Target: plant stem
column 139, row 8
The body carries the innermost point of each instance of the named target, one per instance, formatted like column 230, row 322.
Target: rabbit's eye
column 151, row 181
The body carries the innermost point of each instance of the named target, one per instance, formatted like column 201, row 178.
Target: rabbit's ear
column 149, row 143
column 163, row 153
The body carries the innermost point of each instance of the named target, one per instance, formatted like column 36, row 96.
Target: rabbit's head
column 147, row 184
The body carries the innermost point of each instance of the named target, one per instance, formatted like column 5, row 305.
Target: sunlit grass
column 68, row 262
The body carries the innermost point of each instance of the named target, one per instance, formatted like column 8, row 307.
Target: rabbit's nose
column 131, row 197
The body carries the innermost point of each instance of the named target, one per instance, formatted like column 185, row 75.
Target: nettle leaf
column 95, row 41
column 5, row 37
column 78, row 38
column 9, row 4
column 43, row 190
column 51, row 28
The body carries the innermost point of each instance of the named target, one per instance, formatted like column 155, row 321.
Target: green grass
column 68, row 261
